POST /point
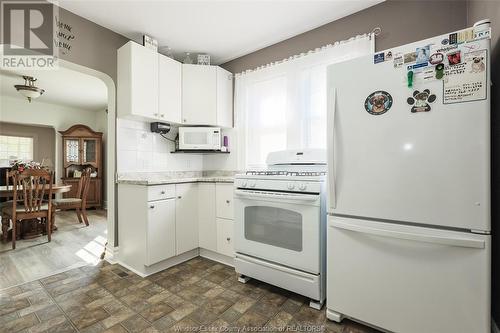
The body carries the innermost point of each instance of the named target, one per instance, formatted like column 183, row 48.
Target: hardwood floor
column 73, row 245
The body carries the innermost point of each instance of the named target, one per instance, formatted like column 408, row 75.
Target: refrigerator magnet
column 436, row 58
column 420, row 101
column 454, row 58
column 378, row 103
column 379, row 57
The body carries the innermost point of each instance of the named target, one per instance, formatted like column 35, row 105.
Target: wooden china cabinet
column 82, row 148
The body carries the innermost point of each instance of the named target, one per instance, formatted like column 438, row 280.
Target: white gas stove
column 280, row 221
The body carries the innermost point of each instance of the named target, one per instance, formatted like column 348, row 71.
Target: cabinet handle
column 184, row 120
column 155, row 114
column 228, row 239
column 179, row 197
column 162, row 192
column 162, row 115
column 228, row 201
column 152, row 206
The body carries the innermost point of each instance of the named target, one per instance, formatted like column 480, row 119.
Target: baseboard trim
column 223, row 259
column 494, row 326
column 144, row 271
column 111, row 254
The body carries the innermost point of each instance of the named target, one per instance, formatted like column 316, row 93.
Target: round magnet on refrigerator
column 378, row 102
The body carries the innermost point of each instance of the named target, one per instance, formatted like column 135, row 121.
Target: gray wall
column 401, row 22
column 44, row 138
column 477, row 10
column 94, row 46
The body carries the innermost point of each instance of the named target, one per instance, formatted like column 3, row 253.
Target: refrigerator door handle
column 332, row 195
column 417, row 237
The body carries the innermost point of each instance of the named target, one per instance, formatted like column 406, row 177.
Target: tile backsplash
column 139, row 150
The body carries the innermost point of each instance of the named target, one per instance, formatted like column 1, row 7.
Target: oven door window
column 274, row 226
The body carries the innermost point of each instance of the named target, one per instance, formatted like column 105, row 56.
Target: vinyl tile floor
column 195, row 296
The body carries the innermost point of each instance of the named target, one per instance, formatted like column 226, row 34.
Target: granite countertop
column 176, row 177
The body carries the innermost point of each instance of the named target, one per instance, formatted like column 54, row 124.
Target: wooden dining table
column 33, row 229
column 56, row 188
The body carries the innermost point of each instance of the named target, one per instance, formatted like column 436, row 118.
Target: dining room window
column 16, row 147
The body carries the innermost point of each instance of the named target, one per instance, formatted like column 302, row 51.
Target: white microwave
column 199, row 138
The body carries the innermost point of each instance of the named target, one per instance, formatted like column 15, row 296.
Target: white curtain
column 283, row 105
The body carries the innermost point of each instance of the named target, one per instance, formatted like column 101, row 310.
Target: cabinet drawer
column 160, row 192
column 225, row 237
column 224, row 201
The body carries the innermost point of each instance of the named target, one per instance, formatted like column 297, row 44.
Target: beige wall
column 401, row 22
column 44, row 138
column 477, row 10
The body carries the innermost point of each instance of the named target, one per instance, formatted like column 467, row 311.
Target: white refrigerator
column 409, row 242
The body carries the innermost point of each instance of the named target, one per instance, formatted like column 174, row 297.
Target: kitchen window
column 16, row 147
column 283, row 105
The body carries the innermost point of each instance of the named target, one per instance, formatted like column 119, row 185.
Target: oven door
column 279, row 227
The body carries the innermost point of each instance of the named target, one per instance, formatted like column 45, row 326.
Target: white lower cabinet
column 160, row 225
column 207, row 226
column 225, row 237
column 186, row 217
column 160, row 237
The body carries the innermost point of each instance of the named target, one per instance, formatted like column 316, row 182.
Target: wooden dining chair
column 30, row 188
column 9, row 181
column 79, row 203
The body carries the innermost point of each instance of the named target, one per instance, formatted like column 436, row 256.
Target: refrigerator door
column 408, row 279
column 428, row 168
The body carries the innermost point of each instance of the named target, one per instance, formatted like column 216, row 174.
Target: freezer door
column 409, row 279
column 422, row 167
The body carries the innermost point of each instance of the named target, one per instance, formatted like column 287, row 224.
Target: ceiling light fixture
column 29, row 90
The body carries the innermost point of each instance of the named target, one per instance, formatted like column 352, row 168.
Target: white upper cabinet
column 224, row 98
column 207, row 94
column 199, row 95
column 153, row 87
column 137, row 91
column 170, row 89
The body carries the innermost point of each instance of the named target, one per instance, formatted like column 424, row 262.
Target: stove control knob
column 243, row 183
column 302, row 187
column 252, row 183
column 290, row 186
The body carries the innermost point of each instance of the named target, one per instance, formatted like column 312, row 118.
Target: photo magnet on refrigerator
column 378, row 103
column 420, row 101
column 379, row 57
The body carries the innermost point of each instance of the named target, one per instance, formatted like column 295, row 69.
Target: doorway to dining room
column 66, row 131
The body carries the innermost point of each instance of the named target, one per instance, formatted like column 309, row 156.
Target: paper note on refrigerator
column 466, row 81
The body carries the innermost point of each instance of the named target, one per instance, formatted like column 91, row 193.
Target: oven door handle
column 276, row 195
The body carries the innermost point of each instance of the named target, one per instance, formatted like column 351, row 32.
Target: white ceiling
column 62, row 87
column 224, row 29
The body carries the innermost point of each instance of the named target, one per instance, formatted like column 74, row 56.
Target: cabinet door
column 71, row 151
column 160, row 231
column 224, row 201
column 90, row 150
column 225, row 237
column 170, row 85
column 207, row 226
column 224, row 98
column 199, row 95
column 137, row 89
column 186, row 217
